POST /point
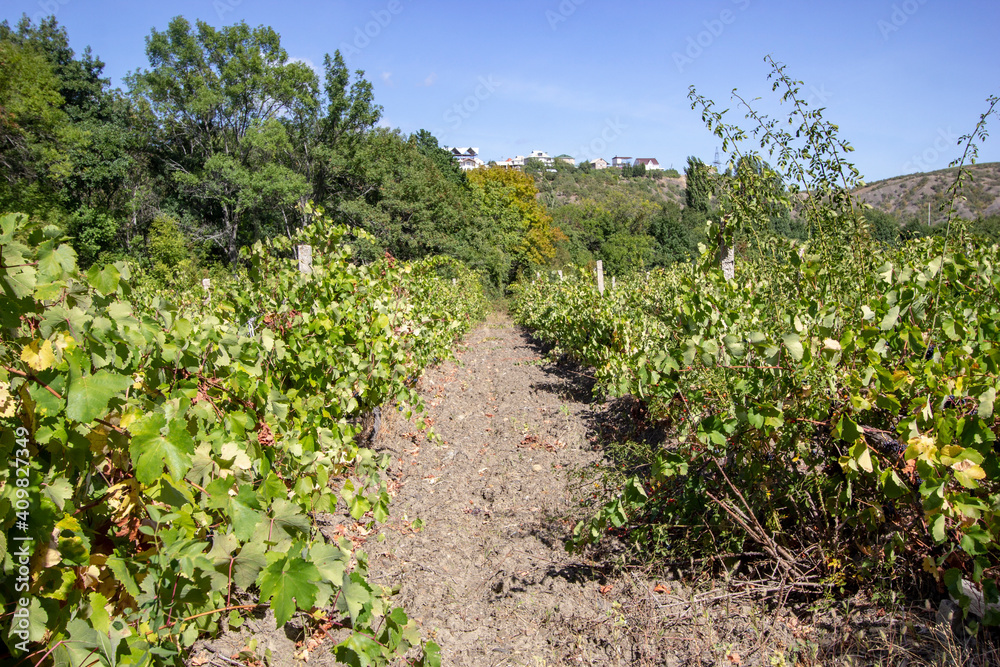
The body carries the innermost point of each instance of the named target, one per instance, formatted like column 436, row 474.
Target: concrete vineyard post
column 305, row 259
column 560, row 275
column 600, row 276
column 727, row 254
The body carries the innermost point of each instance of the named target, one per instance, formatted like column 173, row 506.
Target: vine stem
column 956, row 191
column 31, row 377
column 209, row 613
column 229, row 596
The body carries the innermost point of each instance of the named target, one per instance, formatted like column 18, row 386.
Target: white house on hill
column 463, row 151
column 650, row 162
column 546, row 159
column 599, row 163
column 618, row 161
column 467, row 156
column 512, row 162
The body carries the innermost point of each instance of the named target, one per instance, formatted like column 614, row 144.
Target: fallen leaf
column 660, row 588
column 734, row 658
column 606, row 589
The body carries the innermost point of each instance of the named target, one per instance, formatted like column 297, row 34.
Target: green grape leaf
column 432, row 655
column 243, row 510
column 889, row 321
column 330, row 560
column 58, row 491
column 892, row 485
column 794, row 346
column 354, row 594
column 847, row 430
column 248, row 564
column 288, row 581
column 83, row 644
column 124, row 576
column 356, row 651
column 89, row 395
column 99, row 617
column 156, row 443
column 104, row 280
column 986, row 401
column 18, row 282
column 53, row 262
column 938, row 528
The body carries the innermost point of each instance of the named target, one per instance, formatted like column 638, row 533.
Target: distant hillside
column 908, row 196
column 903, row 196
column 569, row 186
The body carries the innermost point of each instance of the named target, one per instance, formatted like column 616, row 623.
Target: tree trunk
column 230, row 228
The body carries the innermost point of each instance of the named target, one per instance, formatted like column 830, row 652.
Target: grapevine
column 177, row 445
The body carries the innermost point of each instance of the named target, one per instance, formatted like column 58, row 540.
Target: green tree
column 675, row 241
column 84, row 91
column 329, row 139
column 515, row 230
column 698, row 193
column 885, row 226
column 634, row 170
column 614, row 228
column 110, row 160
column 399, row 195
column 427, row 144
column 221, row 99
column 984, row 227
column 351, row 109
column 36, row 135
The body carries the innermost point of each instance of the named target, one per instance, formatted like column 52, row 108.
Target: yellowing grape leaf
column 921, row 447
column 967, row 472
column 7, row 408
column 951, row 452
column 38, row 356
column 863, row 457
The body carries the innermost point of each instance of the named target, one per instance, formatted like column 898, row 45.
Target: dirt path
column 488, row 577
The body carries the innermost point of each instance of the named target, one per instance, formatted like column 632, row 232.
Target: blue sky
column 590, row 78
